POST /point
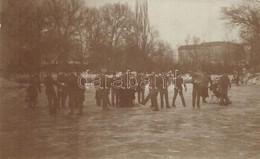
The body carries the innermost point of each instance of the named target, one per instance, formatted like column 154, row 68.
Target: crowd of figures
column 121, row 90
column 57, row 91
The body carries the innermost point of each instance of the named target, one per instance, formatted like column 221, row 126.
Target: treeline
column 36, row 33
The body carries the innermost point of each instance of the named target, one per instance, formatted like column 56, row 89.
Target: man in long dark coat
column 51, row 93
column 224, row 83
column 196, row 88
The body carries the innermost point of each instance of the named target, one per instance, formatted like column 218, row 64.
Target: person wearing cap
column 178, row 89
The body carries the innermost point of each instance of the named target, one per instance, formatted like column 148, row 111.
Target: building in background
column 219, row 53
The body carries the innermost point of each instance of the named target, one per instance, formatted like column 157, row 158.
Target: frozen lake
column 210, row 132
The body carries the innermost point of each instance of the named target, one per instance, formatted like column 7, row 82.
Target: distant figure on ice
column 62, row 92
column 178, row 89
column 72, row 90
column 236, row 78
column 163, row 89
column 105, row 90
column 224, row 83
column 206, row 79
column 153, row 93
column 140, row 88
column 102, row 85
column 80, row 93
column 215, row 91
column 51, row 93
column 32, row 91
column 196, row 89
column 114, row 92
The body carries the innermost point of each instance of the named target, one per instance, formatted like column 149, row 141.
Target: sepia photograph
column 129, row 79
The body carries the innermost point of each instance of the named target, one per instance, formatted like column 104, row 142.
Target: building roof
column 216, row 43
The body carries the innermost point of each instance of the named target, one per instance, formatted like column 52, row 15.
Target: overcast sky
column 175, row 19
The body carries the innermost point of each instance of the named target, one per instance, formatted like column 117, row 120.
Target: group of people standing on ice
column 121, row 90
column 201, row 83
column 57, row 92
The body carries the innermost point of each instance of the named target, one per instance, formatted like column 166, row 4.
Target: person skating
column 50, row 93
column 153, row 93
column 178, row 89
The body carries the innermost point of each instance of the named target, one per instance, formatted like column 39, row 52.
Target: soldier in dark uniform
column 196, row 89
column 50, row 93
column 115, row 90
column 131, row 89
column 62, row 92
column 140, row 89
column 163, row 82
column 80, row 93
column 97, row 85
column 104, row 92
column 178, row 89
column 72, row 91
column 109, row 82
column 32, row 91
column 123, row 91
column 224, row 83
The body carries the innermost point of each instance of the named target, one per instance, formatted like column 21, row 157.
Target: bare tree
column 90, row 36
column 246, row 17
column 21, row 26
column 62, row 20
column 163, row 55
column 60, row 31
column 144, row 33
column 117, row 19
